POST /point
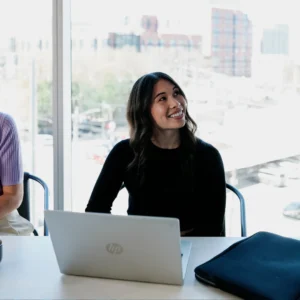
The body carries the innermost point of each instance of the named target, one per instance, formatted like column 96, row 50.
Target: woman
column 167, row 171
column 11, row 178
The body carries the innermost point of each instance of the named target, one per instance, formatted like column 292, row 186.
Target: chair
column 24, row 209
column 242, row 208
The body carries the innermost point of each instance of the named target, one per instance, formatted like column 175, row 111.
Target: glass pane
column 25, row 87
column 240, row 71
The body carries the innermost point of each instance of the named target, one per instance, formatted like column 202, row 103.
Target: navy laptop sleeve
column 262, row 266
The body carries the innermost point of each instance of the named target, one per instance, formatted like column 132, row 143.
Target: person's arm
column 218, row 194
column 11, row 169
column 214, row 196
column 109, row 181
column 11, row 198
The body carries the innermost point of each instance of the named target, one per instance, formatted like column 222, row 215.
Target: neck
column 166, row 139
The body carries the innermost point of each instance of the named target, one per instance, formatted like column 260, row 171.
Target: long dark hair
column 141, row 122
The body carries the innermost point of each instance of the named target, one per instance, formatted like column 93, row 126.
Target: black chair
column 24, row 209
column 242, row 208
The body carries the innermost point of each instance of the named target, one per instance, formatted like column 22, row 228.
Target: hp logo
column 114, row 248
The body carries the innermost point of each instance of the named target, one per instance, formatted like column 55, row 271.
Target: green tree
column 115, row 90
column 44, row 102
column 111, row 90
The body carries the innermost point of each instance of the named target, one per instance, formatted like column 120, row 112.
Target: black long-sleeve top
column 198, row 203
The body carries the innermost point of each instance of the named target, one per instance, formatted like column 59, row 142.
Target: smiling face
column 168, row 106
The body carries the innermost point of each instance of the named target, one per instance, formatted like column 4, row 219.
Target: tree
column 44, row 102
column 115, row 91
column 112, row 90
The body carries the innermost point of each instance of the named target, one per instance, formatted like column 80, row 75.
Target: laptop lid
column 134, row 248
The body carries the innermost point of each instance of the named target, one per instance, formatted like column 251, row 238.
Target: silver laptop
column 136, row 248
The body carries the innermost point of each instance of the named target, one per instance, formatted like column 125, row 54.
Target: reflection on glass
column 241, row 73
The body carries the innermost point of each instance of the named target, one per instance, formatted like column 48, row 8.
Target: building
column 275, row 40
column 231, row 42
column 119, row 40
column 149, row 23
column 148, row 36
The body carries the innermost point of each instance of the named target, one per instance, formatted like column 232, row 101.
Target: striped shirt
column 11, row 173
column 11, row 169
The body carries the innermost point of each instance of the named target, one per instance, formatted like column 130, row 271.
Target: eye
column 176, row 93
column 163, row 99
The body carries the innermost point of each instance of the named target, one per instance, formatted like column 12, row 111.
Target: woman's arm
column 217, row 197
column 213, row 195
column 11, row 169
column 110, row 180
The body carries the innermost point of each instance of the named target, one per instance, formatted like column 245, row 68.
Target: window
column 95, row 44
column 25, row 88
column 126, row 20
column 251, row 117
column 160, row 43
column 81, row 44
column 216, row 21
column 173, row 43
column 40, row 44
column 13, row 44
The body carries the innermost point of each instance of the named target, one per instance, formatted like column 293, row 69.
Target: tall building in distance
column 275, row 40
column 147, row 36
column 231, row 42
column 119, row 40
column 149, row 23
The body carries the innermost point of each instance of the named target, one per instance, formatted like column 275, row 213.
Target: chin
column 181, row 125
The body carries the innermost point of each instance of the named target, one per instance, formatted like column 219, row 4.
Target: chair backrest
column 24, row 209
column 242, row 208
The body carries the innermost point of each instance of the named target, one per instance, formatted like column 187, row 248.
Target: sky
column 32, row 13
column 33, row 17
column 263, row 11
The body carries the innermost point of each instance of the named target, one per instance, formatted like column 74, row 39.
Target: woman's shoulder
column 7, row 124
column 122, row 147
column 6, row 119
column 203, row 147
column 123, row 144
column 120, row 152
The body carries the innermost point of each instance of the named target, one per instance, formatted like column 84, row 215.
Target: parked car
column 45, row 126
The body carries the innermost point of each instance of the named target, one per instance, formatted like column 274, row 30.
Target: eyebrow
column 162, row 93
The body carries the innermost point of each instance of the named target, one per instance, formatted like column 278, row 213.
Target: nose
column 174, row 102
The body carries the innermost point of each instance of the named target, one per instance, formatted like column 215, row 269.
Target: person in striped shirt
column 11, row 178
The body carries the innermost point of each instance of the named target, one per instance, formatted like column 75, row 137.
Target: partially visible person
column 11, row 180
column 166, row 169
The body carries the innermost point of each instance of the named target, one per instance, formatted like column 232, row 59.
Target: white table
column 29, row 271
